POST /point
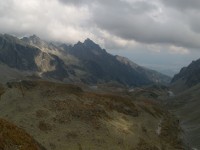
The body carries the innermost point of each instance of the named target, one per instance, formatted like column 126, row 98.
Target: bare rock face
column 17, row 54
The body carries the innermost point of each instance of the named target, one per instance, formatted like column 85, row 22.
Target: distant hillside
column 152, row 75
column 188, row 76
column 83, row 62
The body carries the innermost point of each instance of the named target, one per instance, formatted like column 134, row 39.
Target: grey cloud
column 143, row 7
column 135, row 6
column 132, row 20
column 194, row 21
column 142, row 28
column 182, row 4
column 74, row 2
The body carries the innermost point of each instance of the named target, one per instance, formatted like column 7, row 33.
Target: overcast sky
column 160, row 34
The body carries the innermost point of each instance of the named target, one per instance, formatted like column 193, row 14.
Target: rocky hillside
column 62, row 116
column 152, row 75
column 190, row 75
column 83, row 62
column 19, row 55
column 186, row 106
column 185, row 103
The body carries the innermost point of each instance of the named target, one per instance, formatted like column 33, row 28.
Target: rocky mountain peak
column 88, row 41
column 35, row 37
column 33, row 40
column 79, row 43
column 91, row 45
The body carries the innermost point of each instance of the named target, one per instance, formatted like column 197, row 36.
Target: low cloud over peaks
column 72, row 20
column 147, row 22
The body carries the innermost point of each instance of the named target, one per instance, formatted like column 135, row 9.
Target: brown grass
column 114, row 103
column 97, row 107
column 2, row 90
column 171, row 131
column 41, row 113
column 90, row 113
column 142, row 145
column 92, row 107
column 152, row 108
column 59, row 88
column 52, row 89
column 148, row 110
column 12, row 137
column 72, row 135
column 43, row 126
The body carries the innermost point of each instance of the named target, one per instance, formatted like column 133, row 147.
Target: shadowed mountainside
column 186, row 106
column 188, row 76
column 17, row 54
column 185, row 103
column 83, row 62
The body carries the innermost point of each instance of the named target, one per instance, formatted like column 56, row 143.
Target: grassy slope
column 14, row 138
column 62, row 117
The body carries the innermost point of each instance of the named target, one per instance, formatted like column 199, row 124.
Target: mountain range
column 57, row 115
column 83, row 62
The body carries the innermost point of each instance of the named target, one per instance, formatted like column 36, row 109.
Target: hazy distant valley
column 58, row 96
